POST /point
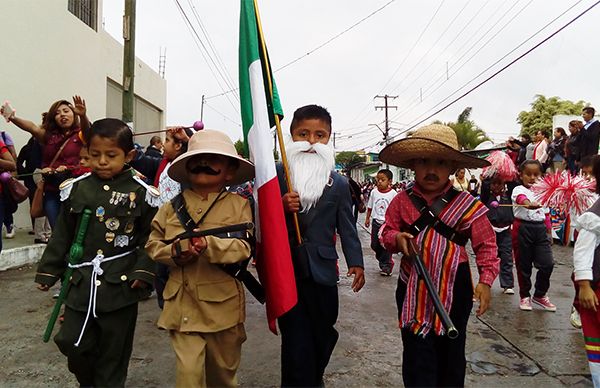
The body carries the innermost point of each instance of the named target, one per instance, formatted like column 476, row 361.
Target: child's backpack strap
column 430, row 216
column 236, row 270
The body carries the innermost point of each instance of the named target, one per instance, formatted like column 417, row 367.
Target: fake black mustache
column 204, row 170
column 431, row 177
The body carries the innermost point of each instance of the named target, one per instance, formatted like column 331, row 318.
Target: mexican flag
column 260, row 102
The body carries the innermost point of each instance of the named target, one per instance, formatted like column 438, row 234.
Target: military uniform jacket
column 120, row 216
column 200, row 296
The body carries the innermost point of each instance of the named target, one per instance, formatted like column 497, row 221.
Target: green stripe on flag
column 251, row 49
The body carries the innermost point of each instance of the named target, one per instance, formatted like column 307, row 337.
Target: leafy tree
column 542, row 110
column 347, row 159
column 468, row 133
column 240, row 149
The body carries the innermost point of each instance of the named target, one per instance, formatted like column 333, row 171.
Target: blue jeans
column 52, row 206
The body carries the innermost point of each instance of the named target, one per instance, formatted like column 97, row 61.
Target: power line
column 502, row 69
column 233, row 89
column 222, row 114
column 201, row 46
column 423, row 31
column 423, row 94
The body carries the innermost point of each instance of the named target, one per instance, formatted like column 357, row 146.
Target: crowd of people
column 155, row 220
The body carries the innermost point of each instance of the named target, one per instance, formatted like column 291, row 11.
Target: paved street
column 507, row 347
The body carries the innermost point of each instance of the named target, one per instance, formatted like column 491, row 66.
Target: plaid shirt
column 401, row 213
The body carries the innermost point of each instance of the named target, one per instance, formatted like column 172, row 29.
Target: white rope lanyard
column 96, row 271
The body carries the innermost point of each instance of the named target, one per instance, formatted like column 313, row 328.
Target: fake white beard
column 310, row 167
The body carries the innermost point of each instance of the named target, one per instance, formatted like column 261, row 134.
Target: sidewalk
column 19, row 250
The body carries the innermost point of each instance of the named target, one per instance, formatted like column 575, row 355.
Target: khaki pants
column 208, row 359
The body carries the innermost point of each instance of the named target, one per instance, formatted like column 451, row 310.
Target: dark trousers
column 437, row 361
column 308, row 336
column 505, row 253
column 102, row 357
column 531, row 246
column 383, row 256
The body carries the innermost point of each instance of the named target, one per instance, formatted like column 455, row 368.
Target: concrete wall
column 49, row 54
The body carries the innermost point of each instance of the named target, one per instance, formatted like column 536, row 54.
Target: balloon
column 5, row 177
column 494, row 204
column 198, row 125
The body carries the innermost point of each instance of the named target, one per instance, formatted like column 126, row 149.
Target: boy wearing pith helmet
column 438, row 221
column 204, row 308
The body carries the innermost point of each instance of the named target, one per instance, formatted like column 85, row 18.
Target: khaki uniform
column 204, row 306
column 119, row 225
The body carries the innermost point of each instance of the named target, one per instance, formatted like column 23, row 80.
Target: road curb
column 18, row 257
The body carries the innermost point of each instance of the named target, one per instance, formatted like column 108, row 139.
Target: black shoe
column 40, row 241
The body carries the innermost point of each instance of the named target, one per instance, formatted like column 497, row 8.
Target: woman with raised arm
column 61, row 136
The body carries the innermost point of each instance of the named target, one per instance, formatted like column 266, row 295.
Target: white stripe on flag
column 259, row 135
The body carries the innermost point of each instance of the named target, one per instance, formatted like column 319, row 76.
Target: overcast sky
column 391, row 52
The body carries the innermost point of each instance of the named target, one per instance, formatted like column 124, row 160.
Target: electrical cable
column 500, row 70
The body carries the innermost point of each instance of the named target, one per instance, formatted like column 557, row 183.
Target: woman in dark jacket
column 572, row 147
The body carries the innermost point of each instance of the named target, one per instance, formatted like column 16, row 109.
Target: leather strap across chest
column 430, row 217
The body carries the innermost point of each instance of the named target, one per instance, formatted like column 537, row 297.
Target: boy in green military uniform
column 204, row 308
column 115, row 272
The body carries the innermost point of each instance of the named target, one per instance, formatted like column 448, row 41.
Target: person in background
column 379, row 201
column 540, row 148
column 61, row 134
column 590, row 133
column 7, row 163
column 531, row 238
column 10, row 206
column 459, row 182
column 586, row 271
column 573, row 147
column 155, row 148
column 556, row 150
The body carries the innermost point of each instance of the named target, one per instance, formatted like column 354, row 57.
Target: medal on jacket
column 129, row 227
column 122, row 241
column 100, row 213
column 110, row 236
column 132, row 197
column 112, row 224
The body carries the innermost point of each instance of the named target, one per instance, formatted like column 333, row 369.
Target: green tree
column 347, row 159
column 542, row 110
column 469, row 135
column 240, row 149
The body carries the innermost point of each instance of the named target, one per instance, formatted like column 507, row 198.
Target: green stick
column 75, row 255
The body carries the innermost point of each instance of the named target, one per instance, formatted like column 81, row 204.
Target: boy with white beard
column 321, row 197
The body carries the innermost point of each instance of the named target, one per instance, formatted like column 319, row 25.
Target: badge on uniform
column 132, row 197
column 112, row 224
column 121, row 241
column 129, row 227
column 100, row 212
column 110, row 236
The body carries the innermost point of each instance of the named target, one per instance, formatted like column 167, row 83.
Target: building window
column 86, row 11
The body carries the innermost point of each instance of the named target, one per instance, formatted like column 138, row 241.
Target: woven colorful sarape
column 441, row 257
column 590, row 320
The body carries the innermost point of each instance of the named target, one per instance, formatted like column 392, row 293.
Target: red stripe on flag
column 274, row 262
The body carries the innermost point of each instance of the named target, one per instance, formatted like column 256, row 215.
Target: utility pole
column 334, row 139
column 128, row 60
column 386, row 107
column 202, row 109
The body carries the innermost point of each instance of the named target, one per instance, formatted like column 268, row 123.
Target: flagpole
column 284, row 160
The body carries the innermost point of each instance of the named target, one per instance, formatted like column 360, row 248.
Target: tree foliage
column 542, row 110
column 240, row 149
column 347, row 159
column 469, row 135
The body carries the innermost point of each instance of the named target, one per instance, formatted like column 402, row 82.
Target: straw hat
column 430, row 141
column 208, row 141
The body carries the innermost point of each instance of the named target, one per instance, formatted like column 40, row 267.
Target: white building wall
column 49, row 54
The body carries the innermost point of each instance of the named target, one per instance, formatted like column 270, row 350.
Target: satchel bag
column 37, row 204
column 18, row 191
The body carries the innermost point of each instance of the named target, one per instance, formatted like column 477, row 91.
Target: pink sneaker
column 525, row 304
column 544, row 303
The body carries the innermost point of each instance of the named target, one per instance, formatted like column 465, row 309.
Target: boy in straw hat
column 439, row 220
column 204, row 306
